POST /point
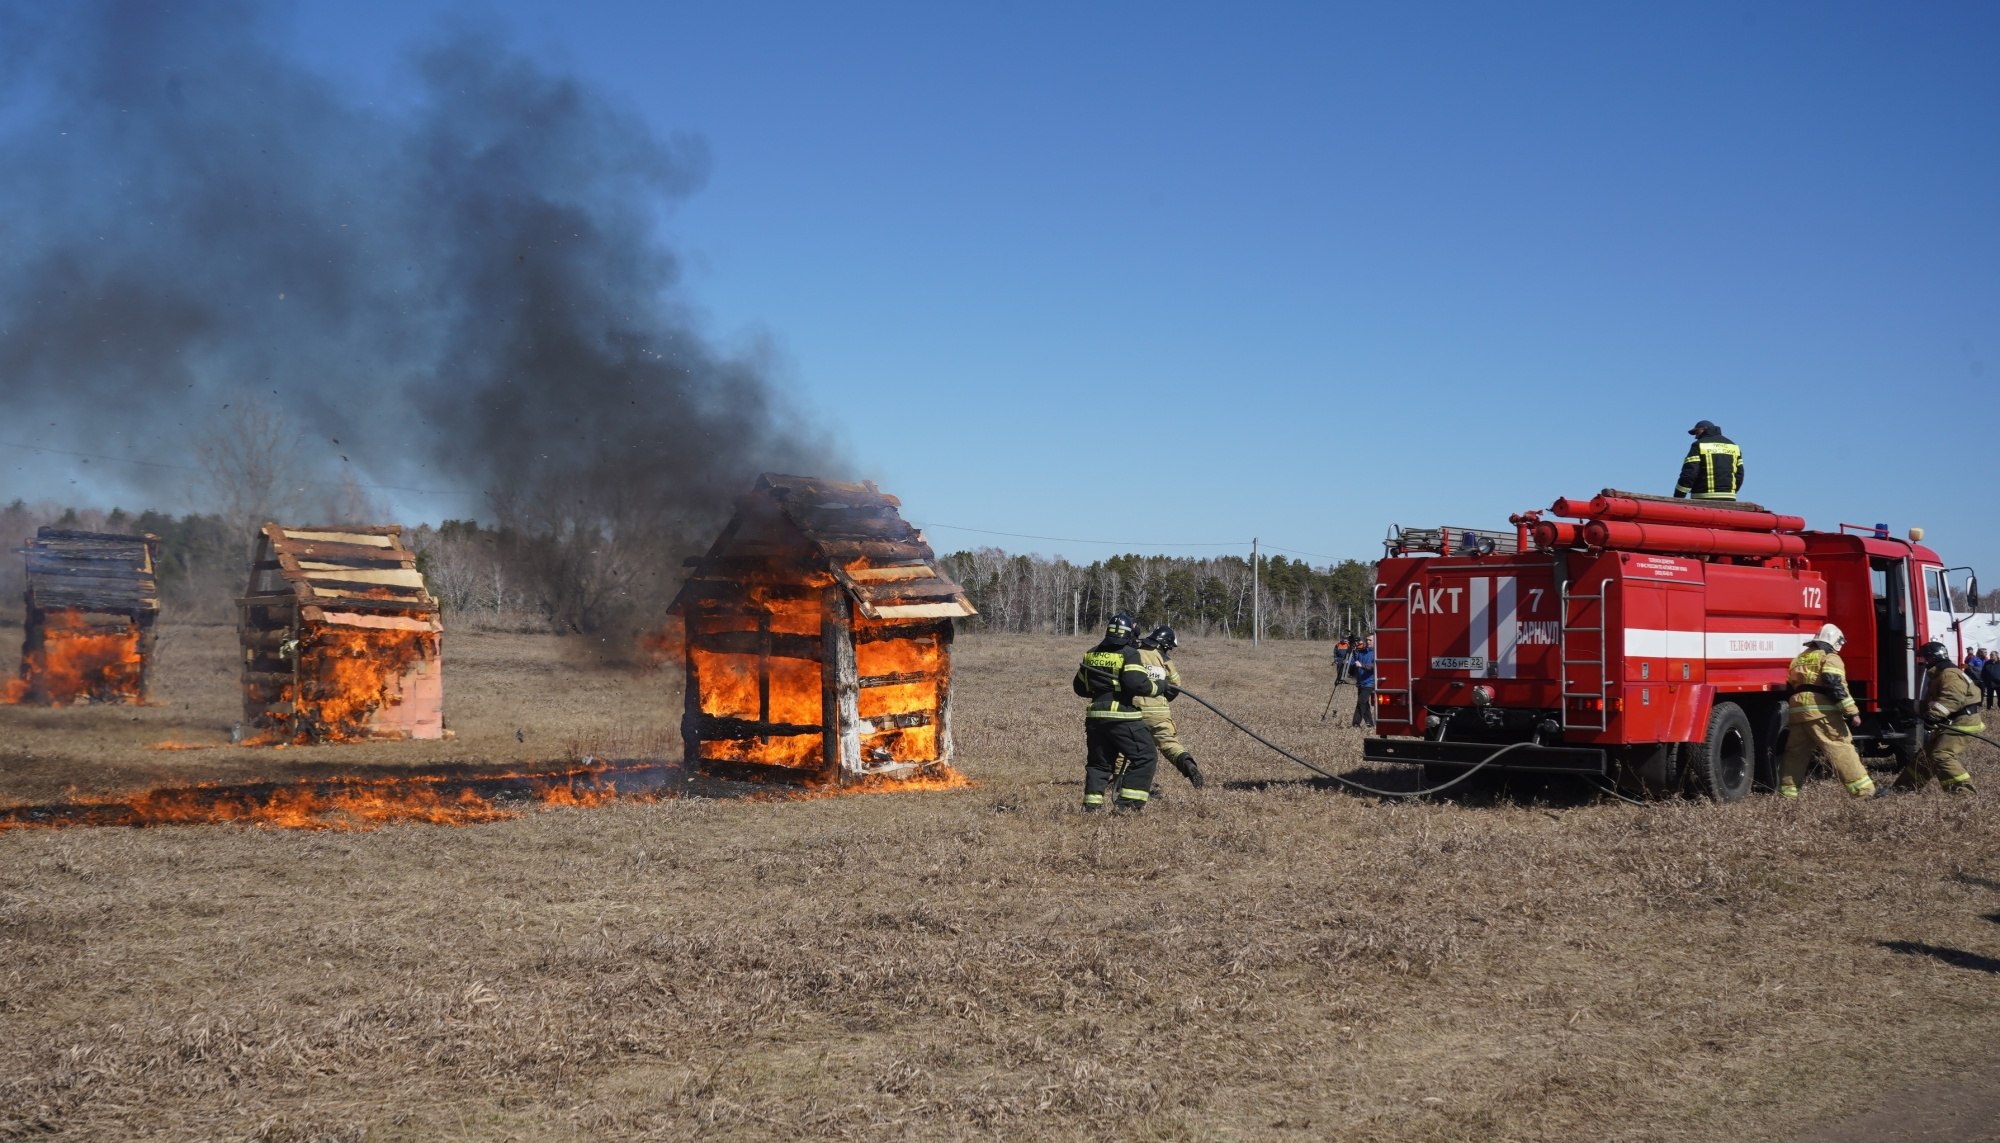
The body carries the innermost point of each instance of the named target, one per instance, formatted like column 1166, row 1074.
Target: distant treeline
column 591, row 583
column 1196, row 596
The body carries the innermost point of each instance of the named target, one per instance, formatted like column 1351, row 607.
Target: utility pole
column 1256, row 599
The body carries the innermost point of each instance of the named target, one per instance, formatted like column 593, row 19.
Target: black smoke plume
column 466, row 289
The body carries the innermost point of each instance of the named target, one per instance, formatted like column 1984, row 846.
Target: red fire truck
column 1643, row 639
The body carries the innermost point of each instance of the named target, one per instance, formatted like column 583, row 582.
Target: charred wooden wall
column 307, row 582
column 108, row 580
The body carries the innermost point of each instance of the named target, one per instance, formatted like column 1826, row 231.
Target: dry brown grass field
column 1269, row 958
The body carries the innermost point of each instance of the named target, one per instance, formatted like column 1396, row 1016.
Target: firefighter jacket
column 1159, row 667
column 1114, row 678
column 1713, row 469
column 1951, row 699
column 1817, row 682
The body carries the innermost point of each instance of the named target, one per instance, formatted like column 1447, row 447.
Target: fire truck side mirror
column 1972, row 594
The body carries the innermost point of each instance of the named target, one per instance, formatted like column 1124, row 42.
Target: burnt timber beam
column 777, row 644
column 711, row 727
column 895, row 680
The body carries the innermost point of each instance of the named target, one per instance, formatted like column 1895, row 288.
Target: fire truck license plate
column 1459, row 663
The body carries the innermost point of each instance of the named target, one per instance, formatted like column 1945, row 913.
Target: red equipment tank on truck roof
column 1644, row 639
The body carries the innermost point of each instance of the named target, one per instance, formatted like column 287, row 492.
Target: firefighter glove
column 1169, row 691
column 1679, row 495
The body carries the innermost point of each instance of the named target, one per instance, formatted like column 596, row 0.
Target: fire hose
column 1349, row 782
column 1943, row 730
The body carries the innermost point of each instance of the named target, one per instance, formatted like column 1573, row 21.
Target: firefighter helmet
column 1161, row 638
column 1934, row 653
column 1701, row 427
column 1831, row 636
column 1122, row 629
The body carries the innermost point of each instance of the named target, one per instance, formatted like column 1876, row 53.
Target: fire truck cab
column 1647, row 642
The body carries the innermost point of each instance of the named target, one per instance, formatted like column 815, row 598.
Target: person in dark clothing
column 1989, row 680
column 1113, row 676
column 1363, row 668
column 1713, row 468
column 1342, row 652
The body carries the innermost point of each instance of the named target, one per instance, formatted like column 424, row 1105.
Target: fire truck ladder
column 1408, row 676
column 1569, row 662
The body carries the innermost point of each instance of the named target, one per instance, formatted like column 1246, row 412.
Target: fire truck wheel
column 1724, row 760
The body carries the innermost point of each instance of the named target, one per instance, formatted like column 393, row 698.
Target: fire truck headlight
column 1482, row 696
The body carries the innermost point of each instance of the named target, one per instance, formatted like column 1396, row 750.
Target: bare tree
column 250, row 467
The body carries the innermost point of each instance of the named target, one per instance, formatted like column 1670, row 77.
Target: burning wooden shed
column 818, row 639
column 92, row 600
column 340, row 637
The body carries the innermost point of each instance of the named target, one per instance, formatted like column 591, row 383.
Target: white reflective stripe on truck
column 1479, row 623
column 1651, row 643
column 1507, row 624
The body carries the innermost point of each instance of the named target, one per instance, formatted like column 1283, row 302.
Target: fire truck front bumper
column 1466, row 755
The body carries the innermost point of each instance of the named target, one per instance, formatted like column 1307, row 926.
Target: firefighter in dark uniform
column 1713, row 469
column 1113, row 677
column 1951, row 708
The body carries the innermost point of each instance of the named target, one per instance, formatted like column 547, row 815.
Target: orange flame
column 79, row 661
column 351, row 803
column 366, row 803
column 345, row 677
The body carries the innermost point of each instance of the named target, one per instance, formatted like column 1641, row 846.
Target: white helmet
column 1831, row 636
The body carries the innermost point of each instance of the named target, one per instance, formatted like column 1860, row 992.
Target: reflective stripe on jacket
column 1818, row 684
column 1157, row 659
column 1948, row 694
column 1113, row 679
column 1713, row 469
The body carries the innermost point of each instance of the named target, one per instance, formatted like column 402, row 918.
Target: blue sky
column 1174, row 274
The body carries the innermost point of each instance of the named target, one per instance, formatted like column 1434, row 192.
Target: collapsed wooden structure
column 818, row 639
column 92, row 600
column 341, row 639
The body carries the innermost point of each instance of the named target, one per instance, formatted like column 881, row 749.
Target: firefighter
column 1950, row 704
column 1155, row 652
column 1713, row 469
column 1817, row 683
column 1114, row 678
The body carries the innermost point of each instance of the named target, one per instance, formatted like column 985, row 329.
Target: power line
column 1128, row 543
column 193, row 468
column 1314, row 555
column 1075, row 540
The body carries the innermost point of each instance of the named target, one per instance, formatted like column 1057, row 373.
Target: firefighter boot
column 1190, row 771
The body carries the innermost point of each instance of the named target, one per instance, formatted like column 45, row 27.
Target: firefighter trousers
column 1160, row 721
column 1830, row 739
column 1104, row 740
column 1939, row 759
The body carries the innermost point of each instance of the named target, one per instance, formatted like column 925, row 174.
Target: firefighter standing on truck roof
column 1950, row 703
column 1713, row 469
column 1153, row 652
column 1114, row 678
column 1817, row 683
